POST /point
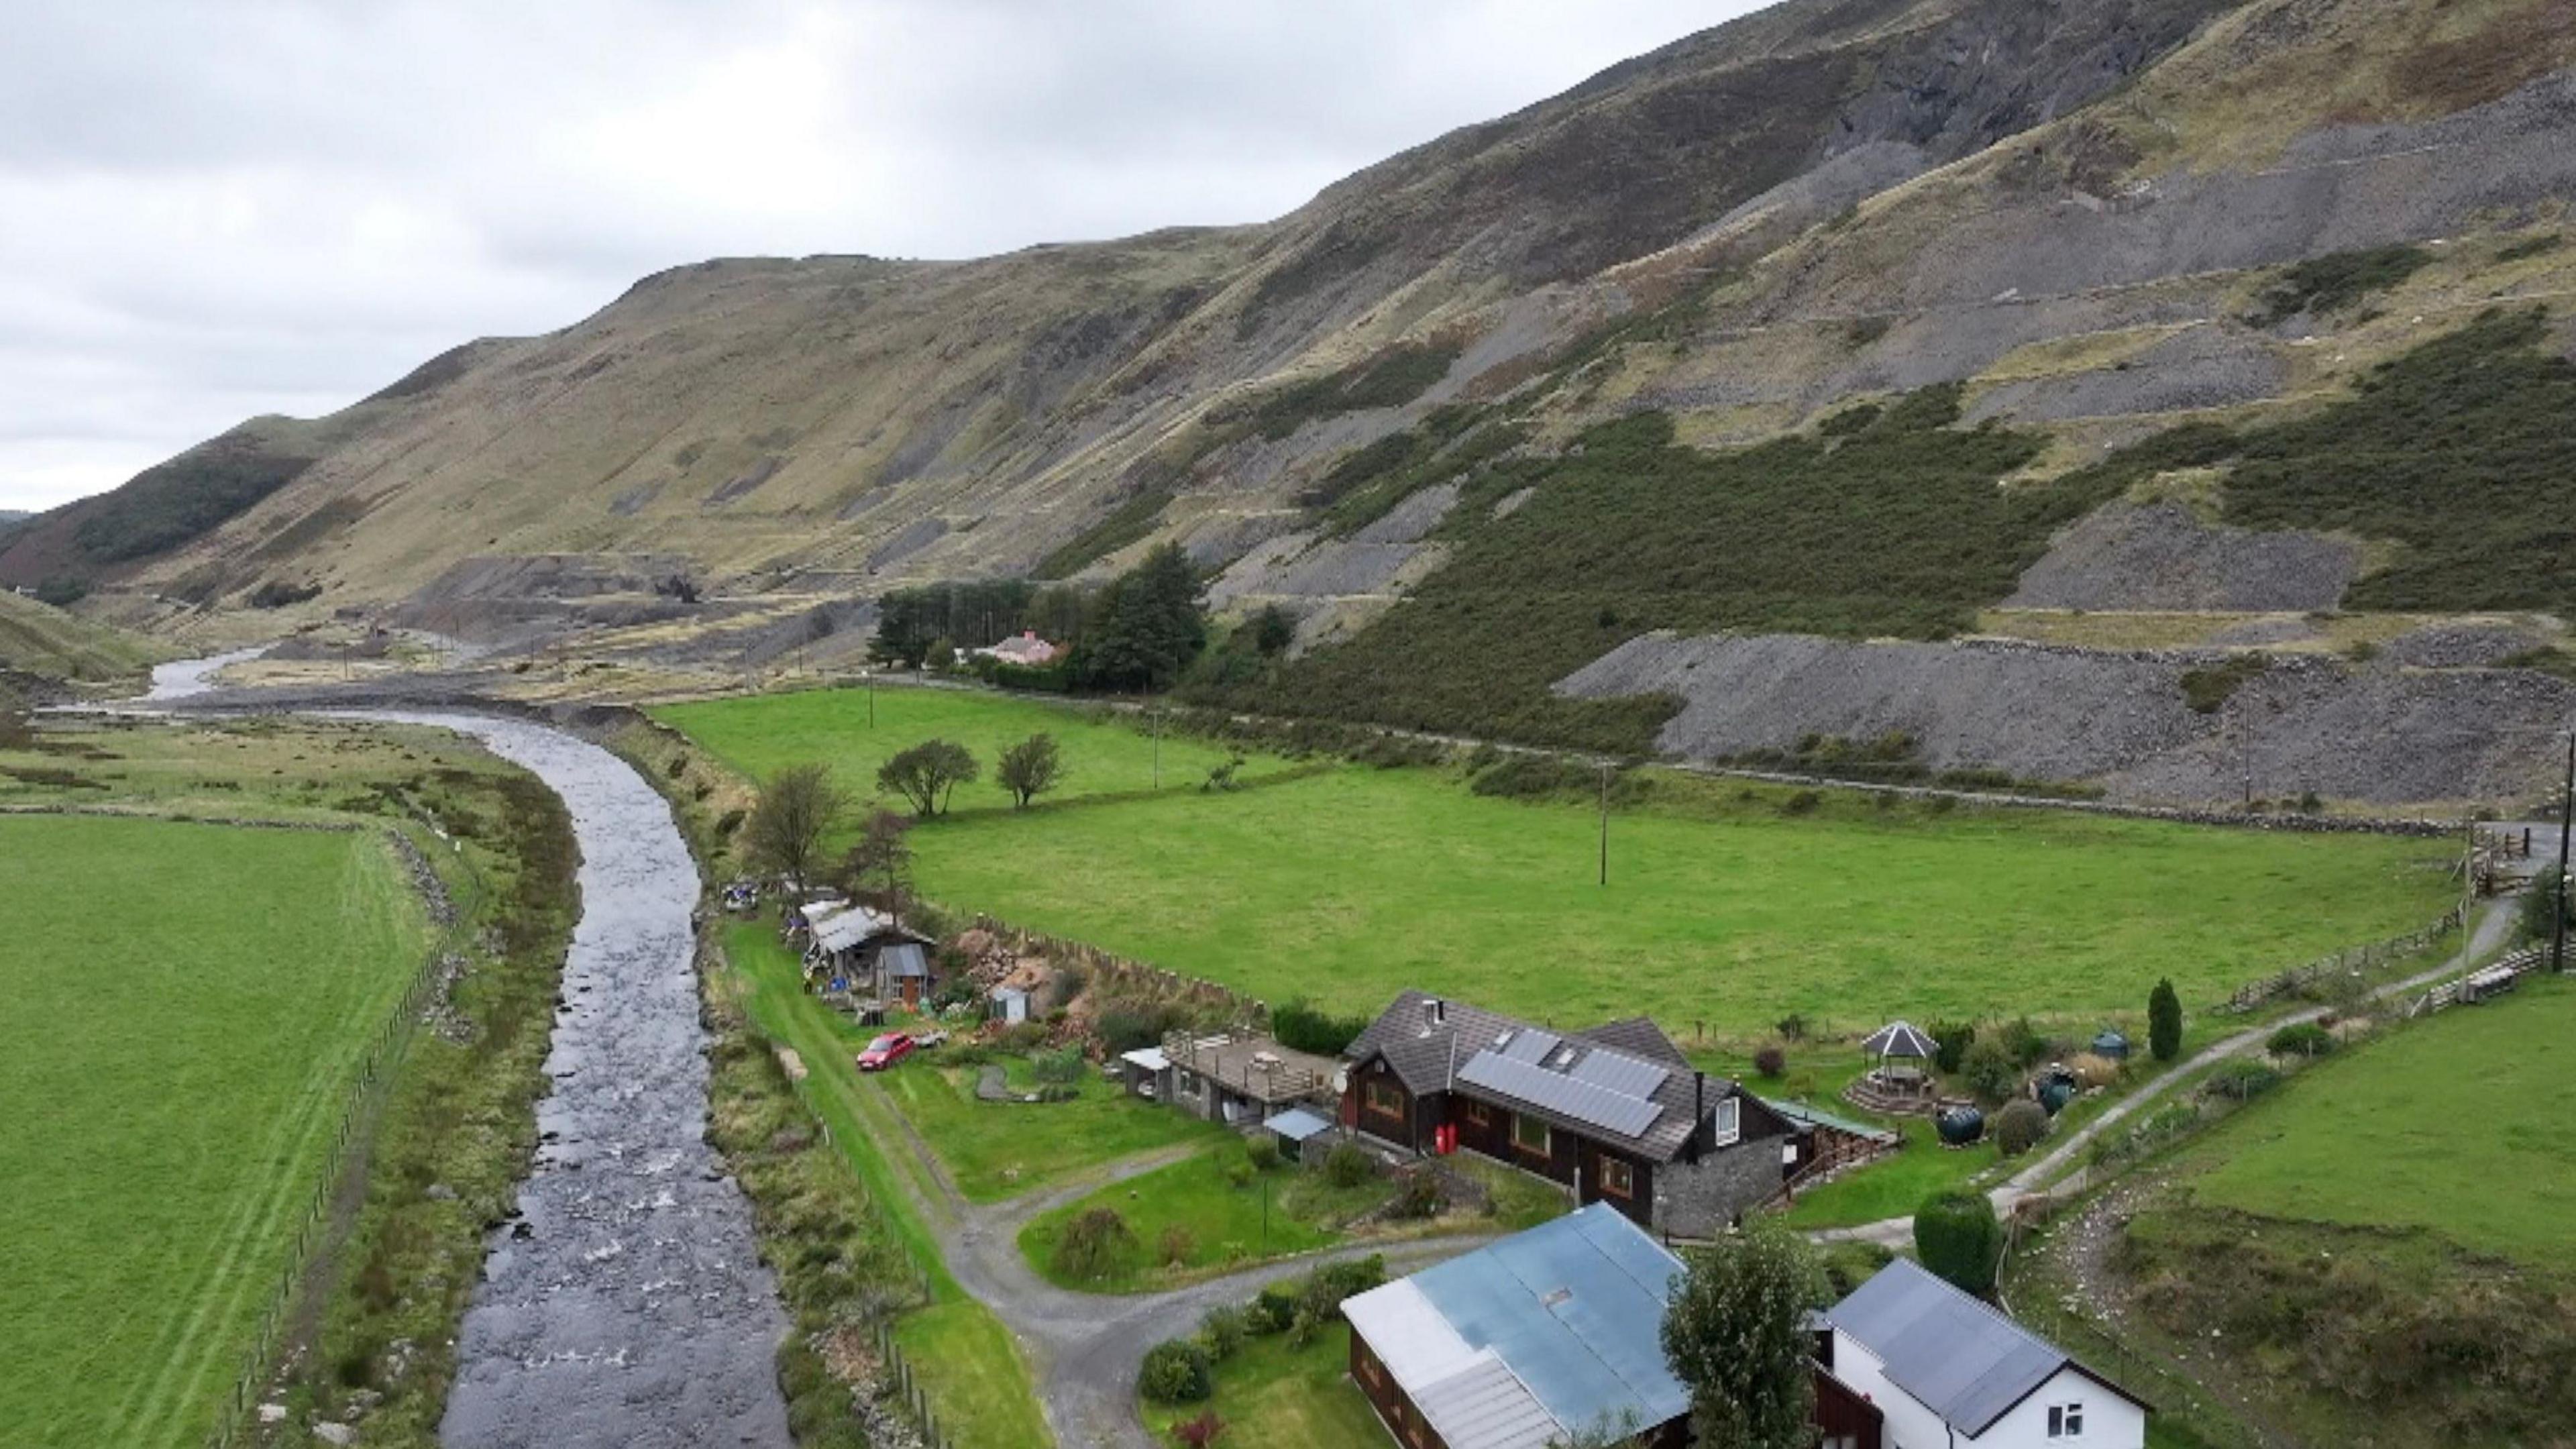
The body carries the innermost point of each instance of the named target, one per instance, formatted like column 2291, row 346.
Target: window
column 1529, row 1134
column 1617, row 1178
column 1480, row 1114
column 1189, row 1084
column 1369, row 1368
column 1726, row 1123
column 1384, row 1099
column 2066, row 1421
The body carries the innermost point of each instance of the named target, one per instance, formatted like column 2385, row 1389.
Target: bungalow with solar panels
column 1616, row 1113
column 1909, row 1362
column 1527, row 1342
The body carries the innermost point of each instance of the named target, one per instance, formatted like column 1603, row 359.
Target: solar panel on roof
column 1585, row 1102
column 1629, row 1076
column 1530, row 1045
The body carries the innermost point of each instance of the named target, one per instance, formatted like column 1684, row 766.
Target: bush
column 1272, row 1309
column 1319, row 1299
column 277, row 594
column 2093, row 1071
column 1804, row 802
column 1093, row 1244
column 1223, row 1331
column 1126, row 1027
column 1239, row 1172
column 1990, row 1071
column 2301, row 1038
column 1950, row 1042
column 1957, row 1237
column 1792, row 1027
column 1346, row 1166
column 1309, row 1030
column 2240, row 1080
column 1770, row 1062
column 1176, row 1371
column 2028, row 1045
column 1200, row 1432
column 1262, row 1152
column 1176, row 1245
column 1062, row 1067
column 2164, row 1021
column 2020, row 1126
column 1417, row 1195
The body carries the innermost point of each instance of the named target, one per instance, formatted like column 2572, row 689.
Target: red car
column 885, row 1051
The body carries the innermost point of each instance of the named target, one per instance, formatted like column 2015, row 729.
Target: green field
column 1345, row 886
column 187, row 1006
column 2455, row 1126
column 1103, row 755
column 1222, row 1223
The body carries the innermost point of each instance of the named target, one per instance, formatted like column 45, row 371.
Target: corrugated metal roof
column 1963, row 1360
column 904, row 961
column 1576, row 1308
column 1486, row 1406
column 1407, row 1334
column 1150, row 1058
column 1602, row 1107
column 1801, row 1112
column 1297, row 1124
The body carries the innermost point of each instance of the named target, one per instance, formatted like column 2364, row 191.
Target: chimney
column 1435, row 1012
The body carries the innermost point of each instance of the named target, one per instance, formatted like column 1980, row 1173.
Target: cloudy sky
column 212, row 210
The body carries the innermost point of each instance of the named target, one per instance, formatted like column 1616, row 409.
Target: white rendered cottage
column 1913, row 1363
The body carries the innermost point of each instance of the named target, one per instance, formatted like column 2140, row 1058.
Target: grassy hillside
column 1733, row 909
column 191, row 1050
column 46, row 642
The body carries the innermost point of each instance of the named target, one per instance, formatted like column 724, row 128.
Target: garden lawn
column 2456, row 1125
column 1348, row 886
column 1894, row 1186
column 188, row 1006
column 1276, row 1395
column 1222, row 1223
column 1104, row 754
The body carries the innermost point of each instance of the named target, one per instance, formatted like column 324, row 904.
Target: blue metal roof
column 1963, row 1360
column 1297, row 1124
column 1576, row 1308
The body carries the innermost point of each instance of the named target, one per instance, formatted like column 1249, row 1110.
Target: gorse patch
column 2332, row 283
column 1894, row 524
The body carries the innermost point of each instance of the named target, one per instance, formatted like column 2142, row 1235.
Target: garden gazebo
column 1898, row 1051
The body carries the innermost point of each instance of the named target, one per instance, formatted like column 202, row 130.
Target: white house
column 1940, row 1369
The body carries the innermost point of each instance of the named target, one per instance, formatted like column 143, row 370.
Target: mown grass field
column 2456, row 1126
column 1346, row 886
column 188, row 1004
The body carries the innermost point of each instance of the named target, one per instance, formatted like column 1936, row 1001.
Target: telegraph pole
column 1605, row 825
column 2566, row 819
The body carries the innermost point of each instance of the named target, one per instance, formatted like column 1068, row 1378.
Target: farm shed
column 1944, row 1369
column 1615, row 1113
column 869, row 952
column 1304, row 1136
column 1148, row 1073
column 1526, row 1342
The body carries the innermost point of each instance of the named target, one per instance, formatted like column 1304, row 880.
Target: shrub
column 1223, row 1330
column 1802, row 803
column 1200, row 1432
column 277, row 594
column 1239, row 1172
column 1272, row 1309
column 1346, row 1166
column 1770, row 1062
column 2164, row 1021
column 2333, row 282
column 1950, row 1042
column 1128, row 1026
column 2028, row 1045
column 2300, row 1038
column 1308, row 1029
column 1176, row 1245
column 1417, row 1195
column 2019, row 1127
column 1957, row 1237
column 729, row 822
column 1319, row 1299
column 1175, row 1372
column 1991, row 1071
column 1262, row 1152
column 1093, row 1243
column 1850, row 1264
column 1792, row 1027
column 1062, row 1067
column 2240, row 1080
column 2094, row 1071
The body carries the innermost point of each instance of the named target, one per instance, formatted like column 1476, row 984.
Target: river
column 626, row 1304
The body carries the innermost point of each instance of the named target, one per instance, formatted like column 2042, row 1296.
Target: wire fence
column 2356, row 960
column 914, row 1399
column 385, row 1049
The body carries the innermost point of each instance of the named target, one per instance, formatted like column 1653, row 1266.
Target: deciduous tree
column 928, row 773
column 881, row 862
column 797, row 808
column 1030, row 768
column 1736, row 1334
